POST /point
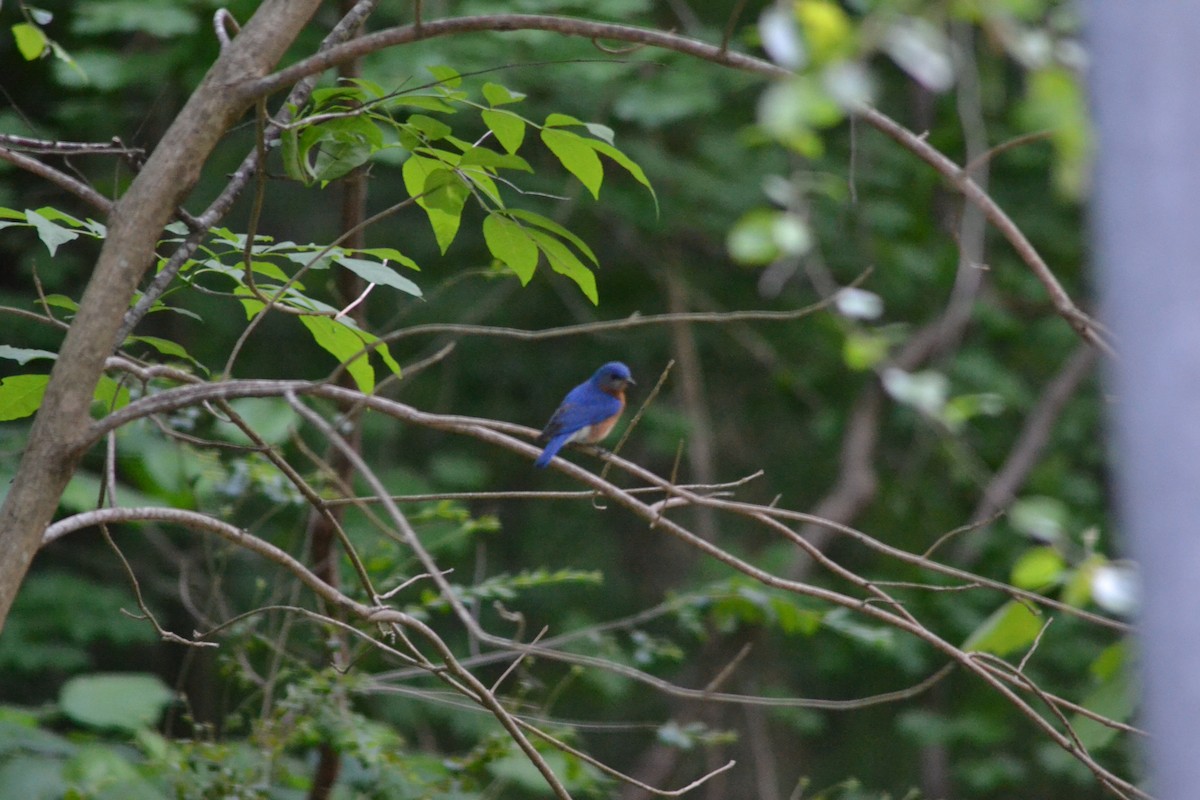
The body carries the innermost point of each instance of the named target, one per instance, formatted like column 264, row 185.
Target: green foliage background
column 775, row 396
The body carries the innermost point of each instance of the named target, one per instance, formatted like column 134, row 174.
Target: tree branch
column 59, row 431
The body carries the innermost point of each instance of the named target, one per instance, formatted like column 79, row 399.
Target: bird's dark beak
column 630, row 382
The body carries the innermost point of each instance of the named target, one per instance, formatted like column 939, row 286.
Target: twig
column 59, row 179
column 223, row 23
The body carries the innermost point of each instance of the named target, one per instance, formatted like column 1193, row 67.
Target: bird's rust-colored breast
column 597, row 431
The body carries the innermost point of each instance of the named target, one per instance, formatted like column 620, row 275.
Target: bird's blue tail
column 552, row 448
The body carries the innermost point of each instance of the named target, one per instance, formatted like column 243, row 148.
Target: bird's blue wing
column 584, row 405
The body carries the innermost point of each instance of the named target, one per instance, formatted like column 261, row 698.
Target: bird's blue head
column 613, row 377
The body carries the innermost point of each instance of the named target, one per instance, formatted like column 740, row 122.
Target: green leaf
column 340, row 145
column 271, row 271
column 51, row 234
column 165, row 346
column 509, row 128
column 54, row 215
column 1011, row 627
column 1077, row 590
column 552, row 226
column 564, row 262
column 110, row 395
column 1043, row 518
column 31, row 42
column 425, row 102
column 343, row 343
column 498, row 95
column 271, row 418
column 446, row 76
column 1055, row 100
column 626, row 162
column 481, row 178
column 440, row 192
column 577, row 156
column 391, row 254
column 374, row 272
column 61, row 301
column 1114, row 698
column 126, row 701
column 23, row 355
column 20, row 395
column 1038, row 568
column 602, row 132
column 511, row 244
column 850, row 626
column 490, row 158
column 863, row 350
column 382, row 350
column 557, row 120
column 433, row 129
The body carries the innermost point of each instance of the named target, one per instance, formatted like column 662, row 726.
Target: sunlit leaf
column 433, row 129
column 557, row 120
column 625, row 162
column 20, row 395
column 863, row 350
column 165, row 346
column 343, row 343
column 828, row 30
column 440, row 192
column 508, row 128
column 498, row 95
column 577, row 156
column 446, row 76
column 1010, row 628
column 391, row 254
column 490, row 158
column 31, row 42
column 509, row 242
column 540, row 221
column 1038, row 568
column 564, row 262
column 110, row 395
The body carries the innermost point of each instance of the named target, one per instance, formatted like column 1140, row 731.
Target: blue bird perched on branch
column 588, row 412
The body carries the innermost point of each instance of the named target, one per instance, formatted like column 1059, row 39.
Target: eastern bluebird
column 588, row 412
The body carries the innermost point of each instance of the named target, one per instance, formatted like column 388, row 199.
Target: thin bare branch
column 60, row 179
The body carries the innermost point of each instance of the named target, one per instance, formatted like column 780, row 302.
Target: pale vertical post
column 1145, row 85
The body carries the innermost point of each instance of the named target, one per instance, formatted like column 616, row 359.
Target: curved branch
column 490, row 432
column 494, row 432
column 235, row 535
column 55, row 443
column 500, row 23
column 60, row 179
column 1084, row 325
